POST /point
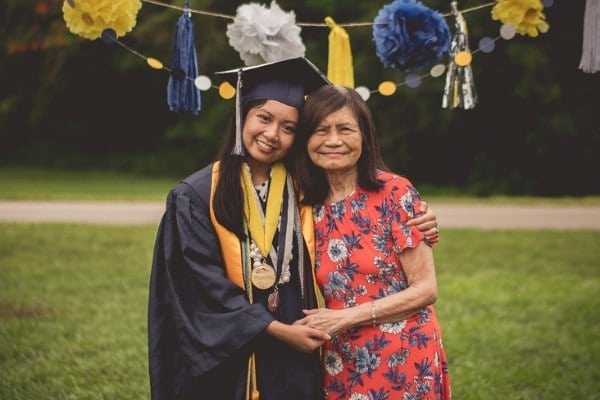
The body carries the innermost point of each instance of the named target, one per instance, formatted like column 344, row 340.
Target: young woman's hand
column 301, row 337
column 427, row 224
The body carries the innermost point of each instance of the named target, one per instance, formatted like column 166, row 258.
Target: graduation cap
column 287, row 81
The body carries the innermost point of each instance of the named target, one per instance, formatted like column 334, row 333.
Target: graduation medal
column 273, row 300
column 263, row 276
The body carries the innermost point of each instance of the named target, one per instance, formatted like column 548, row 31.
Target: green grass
column 40, row 184
column 73, row 311
column 519, row 310
column 43, row 184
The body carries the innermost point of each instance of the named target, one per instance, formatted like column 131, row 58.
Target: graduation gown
column 201, row 326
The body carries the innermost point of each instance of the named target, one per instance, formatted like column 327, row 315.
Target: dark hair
column 228, row 198
column 324, row 101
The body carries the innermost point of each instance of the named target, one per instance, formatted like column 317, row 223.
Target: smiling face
column 336, row 143
column 268, row 133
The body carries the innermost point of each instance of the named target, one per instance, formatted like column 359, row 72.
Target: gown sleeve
column 197, row 319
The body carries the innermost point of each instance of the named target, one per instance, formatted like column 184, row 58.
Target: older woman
column 374, row 269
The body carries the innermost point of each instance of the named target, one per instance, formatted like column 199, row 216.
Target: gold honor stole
column 231, row 251
column 231, row 248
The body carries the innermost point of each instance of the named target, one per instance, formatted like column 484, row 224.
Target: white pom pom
column 263, row 34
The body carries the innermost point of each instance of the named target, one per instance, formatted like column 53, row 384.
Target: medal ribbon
column 263, row 234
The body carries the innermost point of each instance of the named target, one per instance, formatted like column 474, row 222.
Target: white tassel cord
column 590, row 55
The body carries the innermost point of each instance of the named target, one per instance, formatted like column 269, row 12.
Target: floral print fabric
column 358, row 240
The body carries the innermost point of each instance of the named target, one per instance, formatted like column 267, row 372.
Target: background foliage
column 72, row 103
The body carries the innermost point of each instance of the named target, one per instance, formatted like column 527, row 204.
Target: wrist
column 373, row 313
column 276, row 329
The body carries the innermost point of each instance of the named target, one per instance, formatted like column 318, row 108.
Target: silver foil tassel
column 459, row 90
column 238, row 148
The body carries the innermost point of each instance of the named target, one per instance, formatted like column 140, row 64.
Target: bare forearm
column 392, row 308
column 422, row 291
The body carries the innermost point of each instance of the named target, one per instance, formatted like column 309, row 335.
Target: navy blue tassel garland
column 182, row 94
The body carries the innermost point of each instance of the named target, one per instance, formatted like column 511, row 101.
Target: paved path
column 450, row 215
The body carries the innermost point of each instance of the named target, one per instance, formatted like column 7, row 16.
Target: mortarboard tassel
column 459, row 90
column 238, row 149
column 339, row 66
column 590, row 56
column 182, row 94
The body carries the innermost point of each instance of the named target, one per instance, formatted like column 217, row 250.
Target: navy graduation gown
column 201, row 326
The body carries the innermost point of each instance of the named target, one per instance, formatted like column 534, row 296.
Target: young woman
column 232, row 266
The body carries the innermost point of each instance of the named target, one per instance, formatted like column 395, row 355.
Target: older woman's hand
column 326, row 320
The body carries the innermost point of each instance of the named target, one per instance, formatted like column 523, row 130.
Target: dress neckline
column 350, row 196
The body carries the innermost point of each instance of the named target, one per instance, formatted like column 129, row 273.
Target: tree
column 72, row 102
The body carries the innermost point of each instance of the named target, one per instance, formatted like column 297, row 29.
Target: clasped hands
column 329, row 321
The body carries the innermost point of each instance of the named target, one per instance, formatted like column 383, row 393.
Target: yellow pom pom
column 89, row 18
column 525, row 15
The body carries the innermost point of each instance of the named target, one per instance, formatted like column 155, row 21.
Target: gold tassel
column 255, row 393
column 252, row 392
column 339, row 65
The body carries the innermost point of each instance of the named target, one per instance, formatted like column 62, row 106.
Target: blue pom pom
column 410, row 36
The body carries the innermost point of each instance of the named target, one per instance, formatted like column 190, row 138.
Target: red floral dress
column 358, row 240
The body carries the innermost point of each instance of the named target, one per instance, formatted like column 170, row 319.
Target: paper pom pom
column 263, row 34
column 525, row 16
column 89, row 18
column 409, row 35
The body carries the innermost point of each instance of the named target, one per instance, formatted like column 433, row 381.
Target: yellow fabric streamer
column 263, row 234
column 339, row 67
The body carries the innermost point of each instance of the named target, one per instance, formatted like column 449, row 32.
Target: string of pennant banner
column 418, row 54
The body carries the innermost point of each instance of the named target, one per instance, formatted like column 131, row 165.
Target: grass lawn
column 519, row 310
column 40, row 184
column 73, row 311
column 43, row 184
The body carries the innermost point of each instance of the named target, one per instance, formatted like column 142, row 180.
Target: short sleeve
column 405, row 204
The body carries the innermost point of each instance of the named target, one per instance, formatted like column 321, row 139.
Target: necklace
column 334, row 198
column 263, row 275
column 287, row 222
column 263, row 225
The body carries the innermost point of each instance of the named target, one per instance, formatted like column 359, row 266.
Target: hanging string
column 158, row 65
column 191, row 10
column 305, row 24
